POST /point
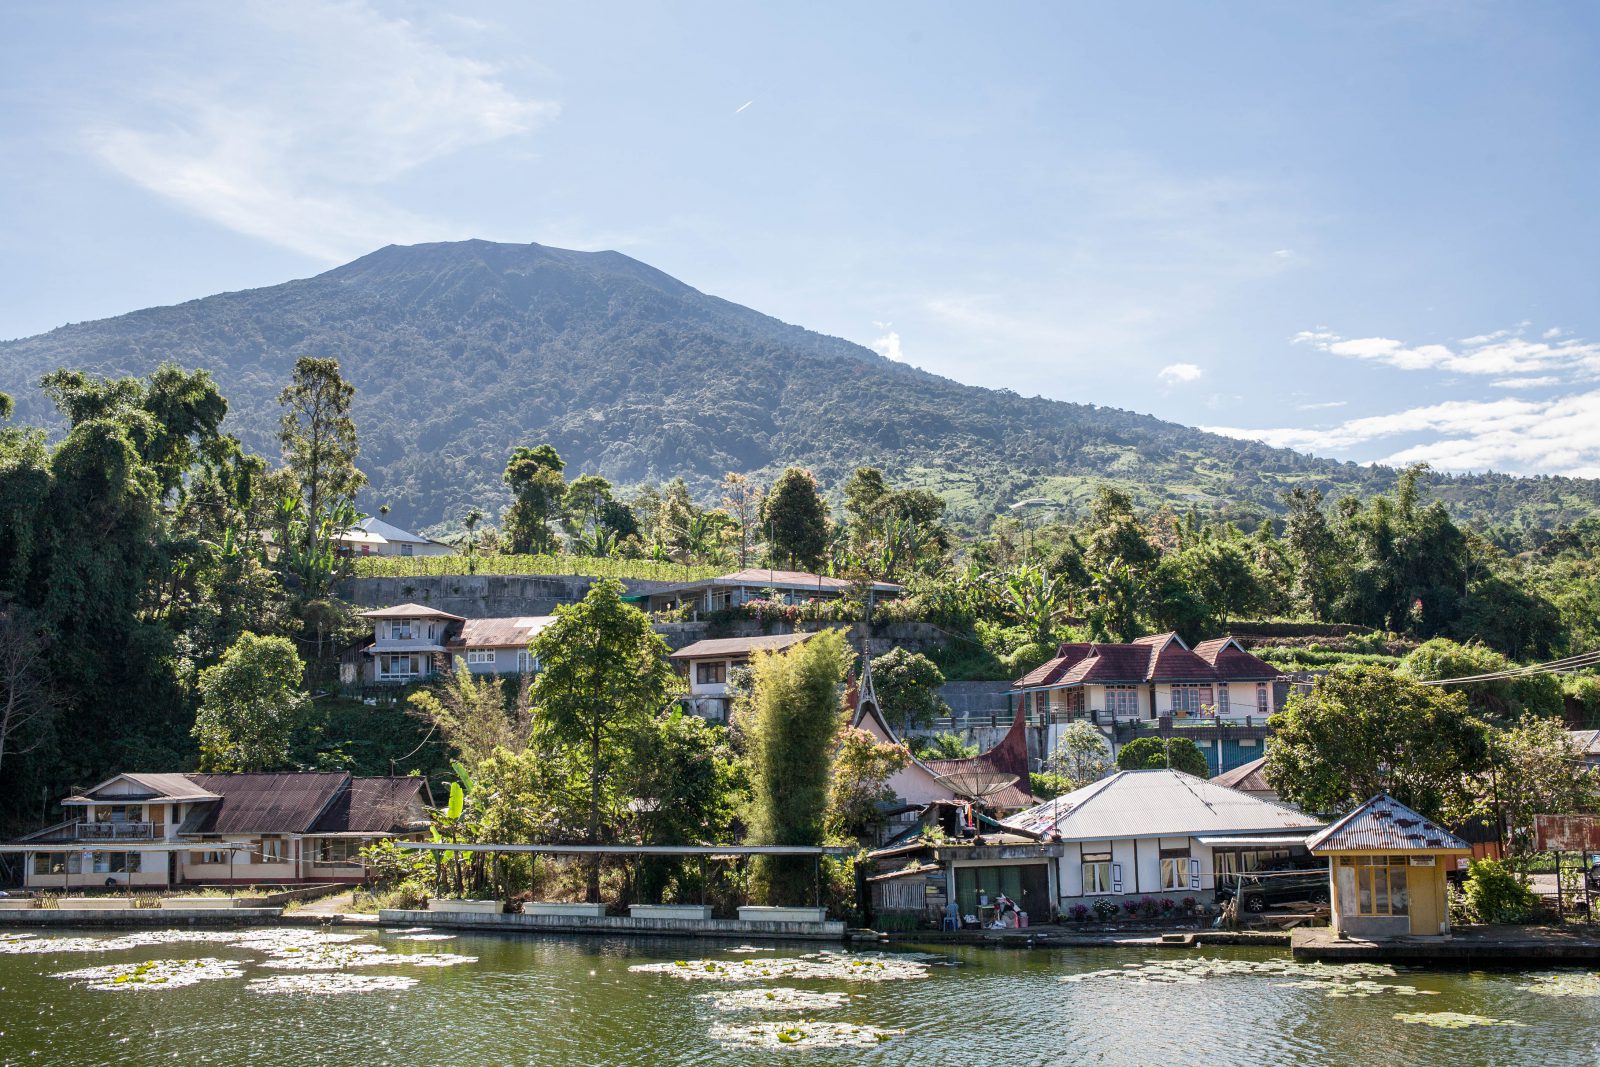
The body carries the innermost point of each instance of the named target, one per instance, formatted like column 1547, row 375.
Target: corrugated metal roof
column 287, row 803
column 740, row 646
column 374, row 806
column 1383, row 824
column 1587, row 742
column 157, row 786
column 1247, row 776
column 410, row 611
column 500, row 633
column 1153, row 803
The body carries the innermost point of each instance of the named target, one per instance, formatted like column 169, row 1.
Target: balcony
column 118, row 831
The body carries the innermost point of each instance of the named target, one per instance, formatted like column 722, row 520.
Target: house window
column 1041, row 702
column 212, row 857
column 527, row 662
column 405, row 550
column 1174, row 868
column 103, row 862
column 480, row 655
column 339, row 852
column 1189, row 701
column 1263, row 701
column 273, row 849
column 398, row 666
column 1380, row 883
column 1096, row 873
column 1123, row 701
column 401, row 631
column 711, row 673
column 49, row 863
column 1222, row 700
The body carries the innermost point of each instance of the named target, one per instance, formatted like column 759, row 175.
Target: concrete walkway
column 1469, row 946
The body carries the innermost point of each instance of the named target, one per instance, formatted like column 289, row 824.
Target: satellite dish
column 976, row 785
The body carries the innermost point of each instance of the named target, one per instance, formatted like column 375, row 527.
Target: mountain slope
column 461, row 351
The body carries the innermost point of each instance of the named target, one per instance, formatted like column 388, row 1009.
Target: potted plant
column 1080, row 913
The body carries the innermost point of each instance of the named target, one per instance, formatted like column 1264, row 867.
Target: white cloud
column 1526, row 383
column 1557, row 436
column 1503, row 352
column 292, row 138
column 1322, row 406
column 1284, row 253
column 1179, row 373
column 889, row 346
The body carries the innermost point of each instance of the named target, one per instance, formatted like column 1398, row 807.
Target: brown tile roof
column 1247, row 777
column 1383, row 824
column 740, row 646
column 287, row 803
column 374, row 806
column 1009, row 756
column 499, row 633
column 1155, row 658
column 410, row 611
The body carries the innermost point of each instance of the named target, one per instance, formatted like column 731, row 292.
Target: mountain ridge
column 461, row 350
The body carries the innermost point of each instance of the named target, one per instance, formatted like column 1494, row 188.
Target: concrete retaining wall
column 616, row 924
column 139, row 917
column 480, row 596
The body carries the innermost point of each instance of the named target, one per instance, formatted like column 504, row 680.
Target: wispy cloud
column 1556, row 436
column 1325, row 405
column 293, row 144
column 1503, row 352
column 742, row 106
column 1179, row 373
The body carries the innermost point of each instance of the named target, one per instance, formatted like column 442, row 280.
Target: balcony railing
column 118, row 831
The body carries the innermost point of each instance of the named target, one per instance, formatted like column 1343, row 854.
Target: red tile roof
column 1156, row 658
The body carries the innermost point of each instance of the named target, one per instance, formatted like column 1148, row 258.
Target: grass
column 588, row 566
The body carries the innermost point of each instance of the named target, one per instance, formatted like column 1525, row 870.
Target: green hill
column 461, row 351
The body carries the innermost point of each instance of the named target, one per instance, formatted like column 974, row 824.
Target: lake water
column 581, row 1002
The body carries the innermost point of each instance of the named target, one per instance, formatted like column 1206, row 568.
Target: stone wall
column 480, row 596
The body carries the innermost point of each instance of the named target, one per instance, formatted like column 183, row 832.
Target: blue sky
column 1363, row 230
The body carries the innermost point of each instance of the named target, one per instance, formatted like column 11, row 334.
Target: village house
column 1161, row 833
column 374, row 537
column 705, row 666
column 1387, row 869
column 413, row 642
column 1216, row 693
column 757, row 583
column 159, row 830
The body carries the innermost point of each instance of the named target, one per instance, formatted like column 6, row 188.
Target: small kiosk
column 1387, row 867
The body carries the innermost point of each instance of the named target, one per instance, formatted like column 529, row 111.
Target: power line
column 1565, row 665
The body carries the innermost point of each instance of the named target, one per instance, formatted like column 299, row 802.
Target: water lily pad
column 1570, row 984
column 840, row 966
column 1452, row 1020
column 779, row 999
column 154, row 974
column 802, row 1033
column 323, row 983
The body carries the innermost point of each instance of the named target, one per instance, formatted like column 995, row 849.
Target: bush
column 1495, row 895
column 1104, row 908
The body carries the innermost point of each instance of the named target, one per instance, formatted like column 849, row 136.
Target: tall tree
column 249, row 704
column 1538, row 771
column 1313, row 550
column 1366, row 730
column 1080, row 757
column 908, row 689
column 539, row 494
column 862, row 767
column 1154, row 753
column 28, row 702
column 603, row 676
column 790, row 725
column 473, row 715
column 741, row 497
column 318, row 437
column 796, row 518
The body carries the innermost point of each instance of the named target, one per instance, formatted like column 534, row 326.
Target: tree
column 908, row 689
column 797, row 521
column 862, row 767
column 1313, row 552
column 28, row 703
column 472, row 714
column 1366, row 730
column 539, row 493
column 790, row 725
column 1154, row 753
column 742, row 499
column 318, row 438
column 603, row 676
column 1080, row 757
column 688, row 785
column 248, row 705
column 1502, row 700
column 1537, row 771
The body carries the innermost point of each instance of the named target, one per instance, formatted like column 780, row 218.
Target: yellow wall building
column 1387, row 866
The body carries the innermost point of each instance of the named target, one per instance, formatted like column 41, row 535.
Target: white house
column 1160, row 833
column 398, row 542
column 497, row 646
column 758, row 583
column 408, row 643
column 705, row 666
column 159, row 830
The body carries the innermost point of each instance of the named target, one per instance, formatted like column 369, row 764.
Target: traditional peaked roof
column 499, row 633
column 410, row 611
column 740, row 646
column 1247, row 777
column 1164, row 803
column 1156, row 658
column 1383, row 824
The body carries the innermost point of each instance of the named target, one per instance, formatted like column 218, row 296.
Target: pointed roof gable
column 1157, row 803
column 1153, row 658
column 410, row 611
column 1383, row 824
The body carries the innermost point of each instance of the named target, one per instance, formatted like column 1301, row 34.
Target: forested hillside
column 460, row 352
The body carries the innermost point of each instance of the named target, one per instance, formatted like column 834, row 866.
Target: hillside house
column 705, row 666
column 413, row 642
column 374, row 537
column 757, row 583
column 1216, row 693
column 1160, row 833
column 160, row 830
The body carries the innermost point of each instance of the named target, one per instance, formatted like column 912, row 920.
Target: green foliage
column 790, row 724
column 249, row 703
column 497, row 563
column 473, row 713
column 539, row 494
column 1495, row 895
column 908, row 684
column 1363, row 731
column 1538, row 772
column 1501, row 700
column 1153, row 753
column 318, row 438
column 941, row 746
column 796, row 521
column 862, row 767
column 1081, row 756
